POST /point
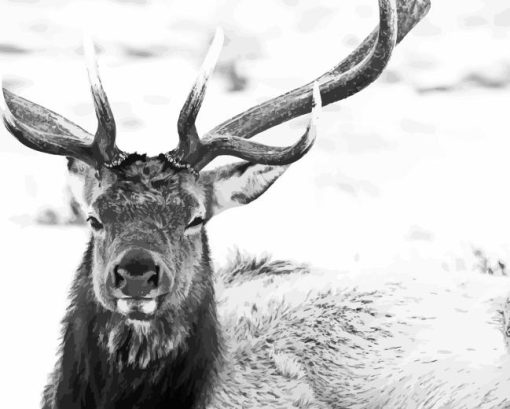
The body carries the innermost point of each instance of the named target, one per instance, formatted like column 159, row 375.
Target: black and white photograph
column 255, row 204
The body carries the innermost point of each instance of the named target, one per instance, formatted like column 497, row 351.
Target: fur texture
column 327, row 340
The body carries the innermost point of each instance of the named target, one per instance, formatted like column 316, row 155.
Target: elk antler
column 197, row 153
column 104, row 140
column 353, row 74
column 188, row 136
column 43, row 130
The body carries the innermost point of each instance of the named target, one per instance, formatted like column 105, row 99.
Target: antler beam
column 257, row 152
column 335, row 84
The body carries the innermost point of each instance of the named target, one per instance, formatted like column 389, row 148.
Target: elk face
column 147, row 226
column 147, row 222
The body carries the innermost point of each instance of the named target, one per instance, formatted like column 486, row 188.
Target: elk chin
column 137, row 309
column 138, row 342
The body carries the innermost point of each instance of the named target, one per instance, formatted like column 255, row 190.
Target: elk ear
column 237, row 184
column 81, row 181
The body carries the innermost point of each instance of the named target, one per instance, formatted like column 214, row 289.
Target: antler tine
column 8, row 118
column 258, row 153
column 188, row 137
column 104, row 139
column 43, row 130
column 358, row 70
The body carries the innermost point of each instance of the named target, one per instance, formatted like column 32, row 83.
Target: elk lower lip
column 137, row 316
column 137, row 308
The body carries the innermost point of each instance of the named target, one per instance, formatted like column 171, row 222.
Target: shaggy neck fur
column 109, row 363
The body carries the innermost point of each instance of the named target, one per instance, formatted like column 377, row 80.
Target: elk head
column 147, row 214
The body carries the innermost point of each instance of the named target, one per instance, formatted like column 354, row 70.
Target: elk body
column 311, row 339
column 143, row 328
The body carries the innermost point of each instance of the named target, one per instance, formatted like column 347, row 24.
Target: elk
column 144, row 328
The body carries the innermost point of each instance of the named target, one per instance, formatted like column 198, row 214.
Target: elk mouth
column 142, row 309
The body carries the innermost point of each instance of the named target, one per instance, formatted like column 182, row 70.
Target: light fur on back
column 328, row 340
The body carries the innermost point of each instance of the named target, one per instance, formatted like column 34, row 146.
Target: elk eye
column 197, row 221
column 94, row 223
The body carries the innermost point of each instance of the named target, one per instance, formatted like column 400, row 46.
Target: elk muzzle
column 138, row 281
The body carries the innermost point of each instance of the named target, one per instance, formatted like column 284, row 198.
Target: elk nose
column 137, row 275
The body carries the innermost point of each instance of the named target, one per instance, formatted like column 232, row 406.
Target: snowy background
column 410, row 174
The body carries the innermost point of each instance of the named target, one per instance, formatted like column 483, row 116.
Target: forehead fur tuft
column 140, row 168
column 130, row 159
column 150, row 166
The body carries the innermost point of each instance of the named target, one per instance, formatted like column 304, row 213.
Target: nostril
column 119, row 280
column 154, row 278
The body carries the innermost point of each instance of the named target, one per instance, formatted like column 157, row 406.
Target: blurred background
column 408, row 175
